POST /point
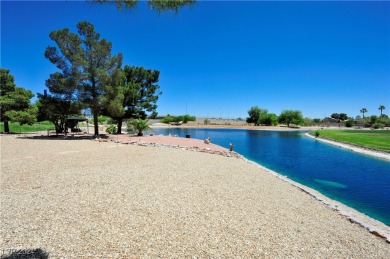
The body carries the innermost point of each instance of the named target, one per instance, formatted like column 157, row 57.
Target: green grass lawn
column 38, row 126
column 375, row 139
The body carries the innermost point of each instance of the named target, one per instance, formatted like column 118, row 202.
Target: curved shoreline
column 372, row 225
column 111, row 199
column 350, row 147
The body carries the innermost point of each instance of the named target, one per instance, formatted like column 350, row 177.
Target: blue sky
column 218, row 59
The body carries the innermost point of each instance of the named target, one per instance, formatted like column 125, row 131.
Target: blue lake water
column 356, row 180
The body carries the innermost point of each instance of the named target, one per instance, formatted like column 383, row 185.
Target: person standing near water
column 231, row 147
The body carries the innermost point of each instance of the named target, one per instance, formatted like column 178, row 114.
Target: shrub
column 206, row 121
column 373, row 119
column 190, row 118
column 316, row 133
column 111, row 129
column 139, row 125
column 308, row 122
column 268, row 119
column 184, row 118
column 384, row 120
column 317, row 121
column 153, row 115
column 349, row 123
column 103, row 119
column 377, row 126
column 168, row 119
column 111, row 121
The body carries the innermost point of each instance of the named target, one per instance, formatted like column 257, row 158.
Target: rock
column 376, row 232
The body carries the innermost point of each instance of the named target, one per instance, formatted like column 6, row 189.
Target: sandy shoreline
column 372, row 225
column 82, row 198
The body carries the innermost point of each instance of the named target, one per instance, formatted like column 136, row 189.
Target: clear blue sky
column 220, row 58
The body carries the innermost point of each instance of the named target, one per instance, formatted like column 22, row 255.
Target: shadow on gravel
column 62, row 137
column 25, row 254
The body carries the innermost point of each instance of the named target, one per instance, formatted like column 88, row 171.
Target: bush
column 384, row 120
column 153, row 115
column 184, row 118
column 168, row 119
column 103, row 119
column 316, row 133
column 308, row 122
column 268, row 119
column 373, row 119
column 317, row 121
column 139, row 125
column 187, row 118
column 377, row 126
column 111, row 121
column 206, row 121
column 349, row 123
column 111, row 129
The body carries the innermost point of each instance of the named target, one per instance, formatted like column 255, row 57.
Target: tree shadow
column 26, row 254
column 63, row 137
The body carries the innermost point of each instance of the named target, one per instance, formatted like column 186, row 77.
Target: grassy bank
column 375, row 139
column 38, row 126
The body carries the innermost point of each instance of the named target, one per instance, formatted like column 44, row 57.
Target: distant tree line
column 372, row 121
column 182, row 118
column 259, row 116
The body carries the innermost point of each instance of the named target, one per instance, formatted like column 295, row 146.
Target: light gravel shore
column 361, row 150
column 83, row 198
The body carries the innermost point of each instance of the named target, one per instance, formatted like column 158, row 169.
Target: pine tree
column 15, row 102
column 86, row 65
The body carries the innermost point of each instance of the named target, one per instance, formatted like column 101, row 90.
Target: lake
column 358, row 181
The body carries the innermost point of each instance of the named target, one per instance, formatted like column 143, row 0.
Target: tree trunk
column 95, row 124
column 119, row 130
column 59, row 126
column 6, row 126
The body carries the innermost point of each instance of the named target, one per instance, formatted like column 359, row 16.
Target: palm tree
column 363, row 110
column 140, row 125
column 381, row 108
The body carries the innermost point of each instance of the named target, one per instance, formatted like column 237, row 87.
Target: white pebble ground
column 82, row 198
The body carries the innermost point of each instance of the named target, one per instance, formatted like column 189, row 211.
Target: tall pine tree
column 86, row 66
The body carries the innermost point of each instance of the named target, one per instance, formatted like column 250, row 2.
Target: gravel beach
column 80, row 198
